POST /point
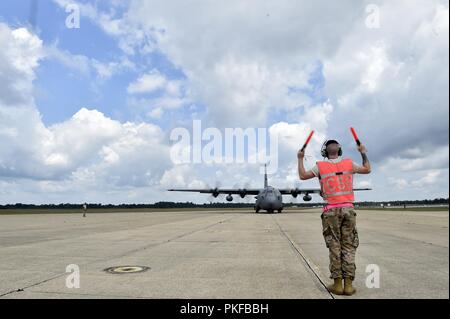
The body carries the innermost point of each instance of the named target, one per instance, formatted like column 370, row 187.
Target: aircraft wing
column 298, row 191
column 306, row 191
column 217, row 191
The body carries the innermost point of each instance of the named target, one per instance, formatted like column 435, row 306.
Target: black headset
column 324, row 151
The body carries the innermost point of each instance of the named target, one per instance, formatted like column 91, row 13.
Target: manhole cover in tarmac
column 126, row 269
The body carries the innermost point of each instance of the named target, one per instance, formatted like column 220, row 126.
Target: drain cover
column 126, row 269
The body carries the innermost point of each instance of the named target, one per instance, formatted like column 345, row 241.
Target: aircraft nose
column 270, row 201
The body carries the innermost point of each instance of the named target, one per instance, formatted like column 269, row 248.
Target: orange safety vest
column 336, row 181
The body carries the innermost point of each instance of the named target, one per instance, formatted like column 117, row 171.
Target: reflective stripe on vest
column 336, row 181
column 338, row 173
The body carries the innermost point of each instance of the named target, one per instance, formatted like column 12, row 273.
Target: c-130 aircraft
column 268, row 198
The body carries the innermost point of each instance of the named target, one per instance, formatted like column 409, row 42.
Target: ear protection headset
column 324, row 151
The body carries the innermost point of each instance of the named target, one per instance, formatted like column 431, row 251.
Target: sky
column 88, row 106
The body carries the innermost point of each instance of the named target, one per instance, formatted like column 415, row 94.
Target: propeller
column 296, row 199
column 243, row 195
column 213, row 196
column 295, row 190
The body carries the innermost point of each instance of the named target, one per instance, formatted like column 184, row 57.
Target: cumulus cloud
column 164, row 94
column 19, row 56
column 434, row 159
column 385, row 81
column 147, row 83
column 291, row 136
column 88, row 144
column 370, row 74
column 429, row 179
column 106, row 70
column 136, row 156
column 243, row 78
column 76, row 62
column 391, row 82
column 181, row 176
column 87, row 151
column 85, row 65
column 420, row 181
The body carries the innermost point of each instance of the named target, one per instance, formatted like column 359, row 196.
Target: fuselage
column 269, row 199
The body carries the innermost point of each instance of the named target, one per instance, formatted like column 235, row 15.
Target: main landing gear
column 270, row 211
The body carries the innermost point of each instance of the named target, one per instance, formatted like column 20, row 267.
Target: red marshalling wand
column 355, row 136
column 307, row 140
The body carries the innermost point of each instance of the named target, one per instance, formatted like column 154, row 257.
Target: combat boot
column 348, row 287
column 336, row 288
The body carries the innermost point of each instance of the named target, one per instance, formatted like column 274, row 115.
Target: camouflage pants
column 341, row 238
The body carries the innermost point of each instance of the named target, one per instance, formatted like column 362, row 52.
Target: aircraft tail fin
column 266, row 183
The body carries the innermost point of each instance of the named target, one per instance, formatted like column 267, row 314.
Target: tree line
column 162, row 205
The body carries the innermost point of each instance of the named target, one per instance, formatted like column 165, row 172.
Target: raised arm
column 302, row 173
column 365, row 168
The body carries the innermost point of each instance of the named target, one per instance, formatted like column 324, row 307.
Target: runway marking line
column 310, row 265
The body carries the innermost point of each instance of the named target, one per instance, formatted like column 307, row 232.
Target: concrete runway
column 218, row 254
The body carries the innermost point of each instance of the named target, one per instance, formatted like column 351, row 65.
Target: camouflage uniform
column 341, row 238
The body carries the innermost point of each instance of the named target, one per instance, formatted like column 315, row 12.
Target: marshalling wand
column 355, row 136
column 307, row 141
